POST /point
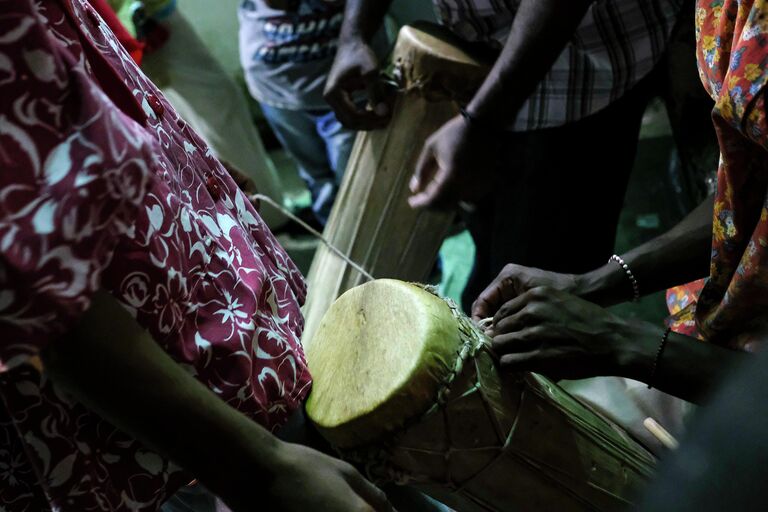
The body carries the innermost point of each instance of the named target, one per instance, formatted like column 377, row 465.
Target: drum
column 371, row 221
column 406, row 387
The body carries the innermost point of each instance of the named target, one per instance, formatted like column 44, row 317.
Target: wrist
column 353, row 35
column 251, row 455
column 606, row 286
column 638, row 343
column 592, row 285
column 495, row 102
column 477, row 124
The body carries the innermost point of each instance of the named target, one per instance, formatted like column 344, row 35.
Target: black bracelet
column 476, row 123
column 663, row 344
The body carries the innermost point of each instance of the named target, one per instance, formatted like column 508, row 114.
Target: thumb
column 372, row 495
column 426, row 168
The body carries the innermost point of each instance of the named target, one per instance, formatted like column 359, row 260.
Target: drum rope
column 285, row 211
column 376, row 459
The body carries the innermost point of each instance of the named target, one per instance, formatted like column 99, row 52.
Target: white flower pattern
column 103, row 185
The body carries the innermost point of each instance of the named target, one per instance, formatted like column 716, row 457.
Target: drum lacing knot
column 473, row 340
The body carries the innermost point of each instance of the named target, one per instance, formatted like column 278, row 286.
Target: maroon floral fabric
column 103, row 185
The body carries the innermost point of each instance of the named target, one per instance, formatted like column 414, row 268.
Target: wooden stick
column 660, row 433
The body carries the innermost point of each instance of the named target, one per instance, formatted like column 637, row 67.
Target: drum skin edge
column 498, row 442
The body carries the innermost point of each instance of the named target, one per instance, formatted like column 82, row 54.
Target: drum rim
column 374, row 455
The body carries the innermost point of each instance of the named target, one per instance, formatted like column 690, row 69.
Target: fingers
column 501, row 289
column 372, row 495
column 352, row 116
column 514, row 322
column 356, row 69
column 526, row 339
column 529, row 349
column 507, row 285
column 487, row 303
column 512, row 307
column 381, row 99
column 426, row 167
column 545, row 362
column 431, row 184
column 436, row 195
column 522, row 361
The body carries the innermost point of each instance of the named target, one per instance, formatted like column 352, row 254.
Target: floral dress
column 732, row 49
column 104, row 186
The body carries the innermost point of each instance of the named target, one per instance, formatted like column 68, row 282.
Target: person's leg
column 214, row 105
column 338, row 142
column 559, row 203
column 338, row 146
column 296, row 131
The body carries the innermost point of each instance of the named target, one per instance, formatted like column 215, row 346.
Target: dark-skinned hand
column 514, row 280
column 310, row 480
column 559, row 335
column 356, row 68
column 458, row 163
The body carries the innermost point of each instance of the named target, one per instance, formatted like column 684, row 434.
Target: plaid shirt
column 617, row 43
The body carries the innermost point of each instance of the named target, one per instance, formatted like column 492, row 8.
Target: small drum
column 371, row 221
column 406, row 387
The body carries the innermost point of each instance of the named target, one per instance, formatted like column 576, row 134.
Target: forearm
column 113, row 366
column 362, row 18
column 538, row 35
column 687, row 368
column 679, row 256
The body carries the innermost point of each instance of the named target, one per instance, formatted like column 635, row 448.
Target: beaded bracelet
column 630, row 275
column 656, row 360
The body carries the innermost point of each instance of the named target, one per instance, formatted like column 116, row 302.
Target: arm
column 362, row 18
column 552, row 331
column 564, row 337
column 356, row 66
column 460, row 157
column 113, row 366
column 688, row 368
column 538, row 35
column 679, row 256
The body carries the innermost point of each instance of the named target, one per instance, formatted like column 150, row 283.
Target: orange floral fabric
column 732, row 50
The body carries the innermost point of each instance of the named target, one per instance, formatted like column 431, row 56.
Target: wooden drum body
column 371, row 221
column 406, row 387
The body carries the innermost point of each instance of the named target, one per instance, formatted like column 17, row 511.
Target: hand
column 457, row 163
column 557, row 334
column 310, row 480
column 356, row 68
column 244, row 183
column 514, row 280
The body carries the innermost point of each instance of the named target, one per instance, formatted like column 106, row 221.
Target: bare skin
column 114, row 367
column 557, row 324
column 457, row 161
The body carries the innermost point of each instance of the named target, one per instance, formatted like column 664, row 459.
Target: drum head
column 378, row 360
column 433, row 62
